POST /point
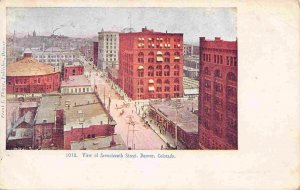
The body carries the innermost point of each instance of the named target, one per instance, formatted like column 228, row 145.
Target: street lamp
column 176, row 105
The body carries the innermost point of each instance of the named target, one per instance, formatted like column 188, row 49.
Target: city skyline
column 193, row 22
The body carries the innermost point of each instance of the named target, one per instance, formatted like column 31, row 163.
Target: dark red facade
column 33, row 84
column 95, row 53
column 218, row 94
column 150, row 64
column 73, row 70
column 77, row 134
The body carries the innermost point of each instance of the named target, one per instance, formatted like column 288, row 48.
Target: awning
column 139, row 38
column 166, row 45
column 157, row 38
column 176, row 57
column 161, row 39
column 140, row 67
column 159, row 59
column 178, row 45
column 142, row 38
column 169, row 45
column 139, row 45
column 149, row 39
column 160, row 45
column 151, row 81
column 152, row 45
column 159, row 53
column 151, row 88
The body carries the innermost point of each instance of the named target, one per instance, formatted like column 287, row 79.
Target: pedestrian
column 162, row 147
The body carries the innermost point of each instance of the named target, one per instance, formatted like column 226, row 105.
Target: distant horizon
column 70, row 22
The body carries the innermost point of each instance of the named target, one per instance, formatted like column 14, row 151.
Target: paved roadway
column 137, row 136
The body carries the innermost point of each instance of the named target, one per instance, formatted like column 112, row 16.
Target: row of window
column 159, row 81
column 219, row 50
column 158, row 73
column 217, row 73
column 34, row 81
column 76, row 90
column 158, row 60
column 151, row 54
column 141, row 39
column 55, row 56
column 142, row 96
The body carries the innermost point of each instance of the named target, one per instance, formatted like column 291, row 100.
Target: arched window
column 159, row 81
column 231, row 76
column 206, row 71
column 158, row 70
column 151, row 57
column 167, row 82
column 176, row 81
column 150, row 71
column 177, row 53
column 167, row 70
column 217, row 73
column 167, row 57
column 141, row 57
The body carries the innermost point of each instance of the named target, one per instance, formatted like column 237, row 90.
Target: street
column 135, row 133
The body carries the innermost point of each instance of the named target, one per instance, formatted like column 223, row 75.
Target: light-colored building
column 56, row 56
column 108, row 49
column 76, row 84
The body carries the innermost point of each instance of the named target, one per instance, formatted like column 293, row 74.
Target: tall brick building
column 151, row 64
column 218, row 94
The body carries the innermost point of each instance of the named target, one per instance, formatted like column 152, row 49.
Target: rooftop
column 28, row 67
column 76, row 80
column 53, row 49
column 77, row 108
column 73, row 64
column 100, row 143
column 186, row 119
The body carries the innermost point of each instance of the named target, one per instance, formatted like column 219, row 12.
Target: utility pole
column 176, row 105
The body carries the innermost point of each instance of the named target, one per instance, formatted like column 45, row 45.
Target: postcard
column 149, row 95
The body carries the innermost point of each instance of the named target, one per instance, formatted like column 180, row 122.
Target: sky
column 87, row 22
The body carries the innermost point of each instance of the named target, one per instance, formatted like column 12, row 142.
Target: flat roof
column 100, row 143
column 76, row 80
column 186, row 119
column 84, row 106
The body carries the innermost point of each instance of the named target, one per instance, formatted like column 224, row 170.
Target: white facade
column 108, row 49
column 55, row 56
column 76, row 89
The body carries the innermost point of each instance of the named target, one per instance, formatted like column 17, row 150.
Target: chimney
column 217, row 38
column 166, row 31
column 112, row 142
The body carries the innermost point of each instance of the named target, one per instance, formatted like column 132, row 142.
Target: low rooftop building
column 186, row 120
column 100, row 143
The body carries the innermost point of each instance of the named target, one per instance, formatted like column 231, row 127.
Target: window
column 176, row 72
column 206, row 71
column 218, row 87
column 150, row 71
column 167, row 70
column 140, row 73
column 159, row 70
column 217, row 73
column 207, row 83
column 231, row 76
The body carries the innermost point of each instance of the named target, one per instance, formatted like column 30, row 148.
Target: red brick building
column 150, row 64
column 30, row 76
column 218, row 94
column 78, row 134
column 72, row 69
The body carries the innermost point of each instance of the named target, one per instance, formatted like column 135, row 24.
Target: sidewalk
column 167, row 138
